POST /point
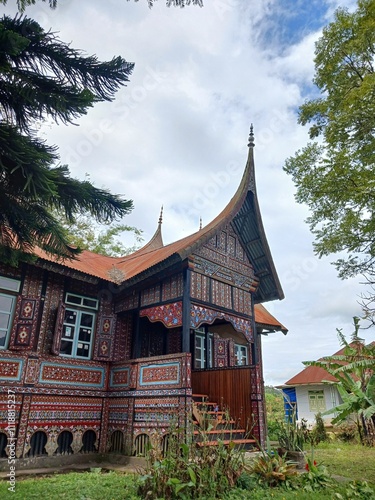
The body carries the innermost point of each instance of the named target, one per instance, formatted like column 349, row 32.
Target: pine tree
column 42, row 77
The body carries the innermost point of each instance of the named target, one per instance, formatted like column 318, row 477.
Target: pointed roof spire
column 156, row 241
column 161, row 216
column 251, row 137
column 200, row 223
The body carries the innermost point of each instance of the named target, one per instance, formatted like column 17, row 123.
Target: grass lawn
column 352, row 461
column 73, row 486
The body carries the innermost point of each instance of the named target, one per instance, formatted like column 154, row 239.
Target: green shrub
column 346, row 431
column 273, row 428
column 316, row 476
column 359, row 489
column 192, row 471
column 291, row 436
column 272, row 469
column 319, row 432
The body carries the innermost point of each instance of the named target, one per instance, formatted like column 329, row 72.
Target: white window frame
column 71, row 330
column 81, row 301
column 9, row 285
column 200, row 359
column 316, row 404
column 241, row 353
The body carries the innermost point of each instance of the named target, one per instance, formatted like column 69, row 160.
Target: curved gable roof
column 242, row 210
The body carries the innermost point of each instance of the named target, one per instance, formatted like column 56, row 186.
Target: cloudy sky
column 177, row 136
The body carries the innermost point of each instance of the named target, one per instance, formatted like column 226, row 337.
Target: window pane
column 84, row 334
column 9, row 284
column 73, row 299
column 68, row 332
column 3, row 335
column 66, row 347
column 83, row 350
column 70, row 317
column 4, row 321
column 90, row 303
column 87, row 319
column 6, row 302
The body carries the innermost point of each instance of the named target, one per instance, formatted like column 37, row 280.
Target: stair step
column 200, row 396
column 221, row 424
column 225, row 423
column 222, row 435
column 222, row 431
column 205, row 403
column 227, row 442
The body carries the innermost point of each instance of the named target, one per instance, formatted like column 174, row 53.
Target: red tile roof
column 155, row 253
column 313, row 374
column 134, row 267
column 265, row 319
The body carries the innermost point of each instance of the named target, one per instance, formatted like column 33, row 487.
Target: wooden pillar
column 186, row 307
column 137, row 341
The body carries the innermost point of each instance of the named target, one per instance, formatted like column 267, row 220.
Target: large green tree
column 335, row 174
column 42, row 77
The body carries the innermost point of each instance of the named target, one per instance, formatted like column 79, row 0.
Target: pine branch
column 42, row 75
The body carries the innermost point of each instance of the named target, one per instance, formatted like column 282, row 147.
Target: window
column 78, row 327
column 7, row 303
column 241, row 354
column 210, row 350
column 200, row 349
column 317, row 401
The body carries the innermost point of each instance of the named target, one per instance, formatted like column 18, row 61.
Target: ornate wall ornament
column 169, row 314
column 159, row 374
column 11, row 369
column 120, row 377
column 77, row 439
column 201, row 315
column 25, row 323
column 52, row 435
column 116, row 275
column 32, row 371
column 53, row 373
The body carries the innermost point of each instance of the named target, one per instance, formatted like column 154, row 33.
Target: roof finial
column 251, row 137
column 161, row 216
column 200, row 223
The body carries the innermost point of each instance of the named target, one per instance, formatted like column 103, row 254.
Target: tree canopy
column 334, row 174
column 22, row 4
column 84, row 234
column 41, row 77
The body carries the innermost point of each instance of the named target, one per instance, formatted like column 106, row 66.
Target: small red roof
column 265, row 319
column 313, row 374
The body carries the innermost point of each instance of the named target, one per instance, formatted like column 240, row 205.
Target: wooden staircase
column 212, row 425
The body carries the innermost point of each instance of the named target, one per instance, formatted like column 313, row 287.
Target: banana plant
column 354, row 371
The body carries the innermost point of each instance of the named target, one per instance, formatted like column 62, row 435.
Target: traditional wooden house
column 312, row 390
column 104, row 354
